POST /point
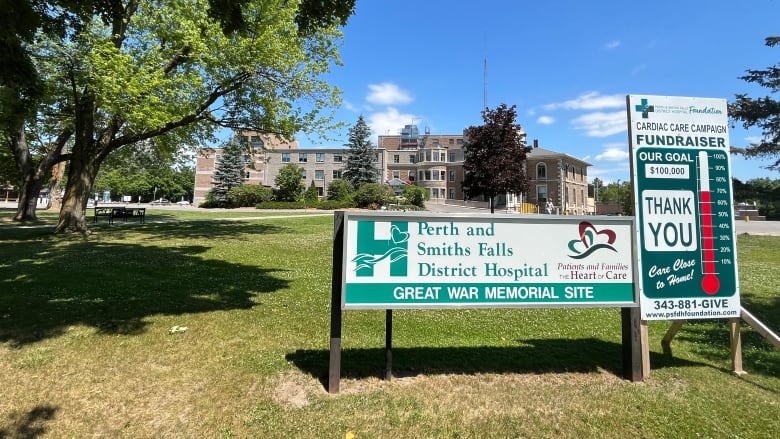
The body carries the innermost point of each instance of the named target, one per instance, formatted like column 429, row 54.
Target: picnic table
column 123, row 212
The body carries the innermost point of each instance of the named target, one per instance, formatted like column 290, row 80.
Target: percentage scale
column 710, row 283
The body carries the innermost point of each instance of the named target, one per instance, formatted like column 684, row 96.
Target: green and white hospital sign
column 683, row 200
column 407, row 260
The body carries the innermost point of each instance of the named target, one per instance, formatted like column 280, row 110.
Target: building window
column 541, row 193
column 319, row 157
column 285, row 157
column 319, row 174
column 460, row 141
column 452, row 193
column 336, row 173
column 452, row 156
column 303, row 157
column 452, row 175
column 396, row 158
column 320, row 191
column 411, row 158
column 541, row 171
column 257, row 142
column 246, row 175
column 452, row 141
column 337, row 158
column 426, row 176
column 303, row 174
column 412, row 175
column 397, row 174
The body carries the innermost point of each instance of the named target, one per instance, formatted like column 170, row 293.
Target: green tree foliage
column 249, row 195
column 137, row 172
column 311, row 196
column 228, row 170
column 764, row 193
column 373, row 195
column 289, row 183
column 142, row 69
column 415, row 195
column 360, row 167
column 494, row 156
column 340, row 190
column 762, row 112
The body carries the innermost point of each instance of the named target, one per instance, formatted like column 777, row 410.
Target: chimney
column 536, row 143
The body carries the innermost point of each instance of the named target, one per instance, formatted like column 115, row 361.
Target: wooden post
column 666, row 342
column 636, row 354
column 736, row 346
column 334, row 366
column 388, row 344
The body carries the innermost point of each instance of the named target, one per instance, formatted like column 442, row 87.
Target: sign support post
column 334, row 366
column 388, row 344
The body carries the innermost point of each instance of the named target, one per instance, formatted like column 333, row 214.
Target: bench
column 112, row 212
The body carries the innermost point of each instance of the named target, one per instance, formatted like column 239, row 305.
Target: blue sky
column 566, row 65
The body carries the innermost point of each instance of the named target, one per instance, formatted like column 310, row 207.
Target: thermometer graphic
column 710, row 283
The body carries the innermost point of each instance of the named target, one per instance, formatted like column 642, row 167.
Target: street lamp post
column 618, row 196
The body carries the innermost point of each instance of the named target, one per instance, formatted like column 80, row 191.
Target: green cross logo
column 371, row 250
column 644, row 108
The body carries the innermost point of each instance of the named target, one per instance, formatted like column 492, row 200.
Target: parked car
column 162, row 201
column 183, row 203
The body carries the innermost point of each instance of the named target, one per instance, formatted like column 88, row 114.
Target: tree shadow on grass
column 28, row 425
column 194, row 229
column 534, row 356
column 711, row 340
column 47, row 285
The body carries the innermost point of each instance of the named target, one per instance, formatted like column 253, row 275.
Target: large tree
column 361, row 157
column 142, row 69
column 494, row 156
column 228, row 170
column 289, row 183
column 763, row 112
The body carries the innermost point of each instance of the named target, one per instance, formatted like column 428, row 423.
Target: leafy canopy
column 762, row 112
column 494, row 155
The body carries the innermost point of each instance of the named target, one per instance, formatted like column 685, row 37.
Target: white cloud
column 638, row 69
column 387, row 93
column 545, row 120
column 590, row 101
column 389, row 121
column 612, row 45
column 613, row 155
column 753, row 139
column 601, row 124
column 349, row 106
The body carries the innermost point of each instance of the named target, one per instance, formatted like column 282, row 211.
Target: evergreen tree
column 229, row 170
column 761, row 112
column 360, row 167
column 494, row 156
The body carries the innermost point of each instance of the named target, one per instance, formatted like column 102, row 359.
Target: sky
column 566, row 65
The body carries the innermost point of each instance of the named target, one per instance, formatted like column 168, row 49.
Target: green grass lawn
column 184, row 328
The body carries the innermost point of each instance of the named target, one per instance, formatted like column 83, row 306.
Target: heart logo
column 398, row 236
column 590, row 240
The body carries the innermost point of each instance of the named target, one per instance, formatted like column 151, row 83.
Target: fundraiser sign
column 394, row 260
column 683, row 199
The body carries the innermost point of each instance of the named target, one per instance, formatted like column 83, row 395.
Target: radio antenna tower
column 484, row 86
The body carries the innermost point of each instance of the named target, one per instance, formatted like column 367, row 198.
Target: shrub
column 340, row 189
column 282, row 205
column 248, row 196
column 335, row 204
column 415, row 195
column 373, row 195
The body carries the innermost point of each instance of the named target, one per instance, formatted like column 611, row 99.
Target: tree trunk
column 55, row 194
column 30, row 178
column 74, row 204
column 492, row 204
